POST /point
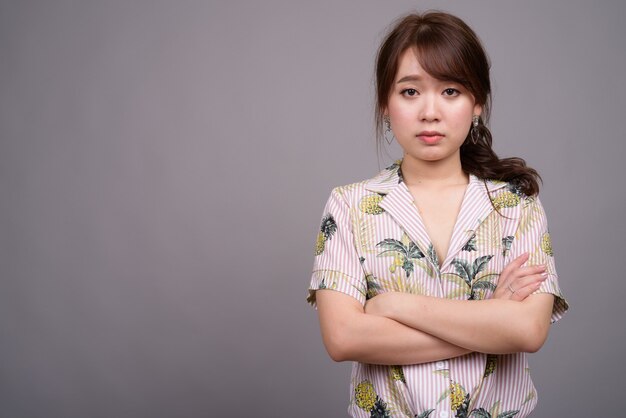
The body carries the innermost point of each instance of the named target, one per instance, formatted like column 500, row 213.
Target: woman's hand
column 517, row 282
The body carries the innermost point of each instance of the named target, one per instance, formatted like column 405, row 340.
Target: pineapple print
column 508, row 199
column 397, row 373
column 327, row 230
column 490, row 367
column 367, row 400
column 365, row 395
column 546, row 244
column 459, row 399
column 369, row 204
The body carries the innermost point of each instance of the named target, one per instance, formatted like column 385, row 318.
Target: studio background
column 163, row 170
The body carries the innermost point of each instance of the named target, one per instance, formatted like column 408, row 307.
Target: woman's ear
column 478, row 110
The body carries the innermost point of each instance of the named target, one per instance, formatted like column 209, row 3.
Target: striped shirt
column 372, row 240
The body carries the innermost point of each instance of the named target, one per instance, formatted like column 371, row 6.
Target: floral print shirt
column 372, row 240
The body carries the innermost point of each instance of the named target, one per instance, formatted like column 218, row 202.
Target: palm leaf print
column 495, row 409
column 373, row 288
column 506, row 244
column 508, row 414
column 432, row 254
column 414, row 252
column 363, row 227
column 533, row 214
column 458, row 290
column 480, row 263
column 483, row 285
column 483, row 413
column 468, row 273
column 403, row 253
column 480, row 413
column 392, row 245
column 396, row 283
column 471, row 244
column 464, row 270
column 397, row 402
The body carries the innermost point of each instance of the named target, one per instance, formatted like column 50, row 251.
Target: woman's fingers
column 524, row 286
column 515, row 264
column 517, row 282
column 524, row 292
column 530, row 270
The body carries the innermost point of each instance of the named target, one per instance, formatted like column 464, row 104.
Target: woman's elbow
column 337, row 354
column 535, row 336
column 337, row 345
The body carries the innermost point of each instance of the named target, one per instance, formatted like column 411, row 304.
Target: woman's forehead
column 410, row 69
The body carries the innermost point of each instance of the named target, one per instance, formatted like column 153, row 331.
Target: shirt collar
column 388, row 179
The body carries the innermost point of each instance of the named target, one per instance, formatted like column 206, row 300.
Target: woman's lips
column 430, row 137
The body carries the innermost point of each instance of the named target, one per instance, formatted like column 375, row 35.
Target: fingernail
column 544, row 275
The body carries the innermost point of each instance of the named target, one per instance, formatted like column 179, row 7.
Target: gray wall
column 164, row 165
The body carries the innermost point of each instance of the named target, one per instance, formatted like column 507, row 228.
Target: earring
column 474, row 131
column 388, row 133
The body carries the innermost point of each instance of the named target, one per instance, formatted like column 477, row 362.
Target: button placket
column 441, row 365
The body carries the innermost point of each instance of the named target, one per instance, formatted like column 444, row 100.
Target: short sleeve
column 532, row 236
column 337, row 265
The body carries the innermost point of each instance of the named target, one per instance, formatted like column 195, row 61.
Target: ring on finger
column 510, row 288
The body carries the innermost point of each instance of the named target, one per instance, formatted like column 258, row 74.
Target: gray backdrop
column 163, row 169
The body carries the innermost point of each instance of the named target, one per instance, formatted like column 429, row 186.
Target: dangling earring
column 474, row 132
column 388, row 133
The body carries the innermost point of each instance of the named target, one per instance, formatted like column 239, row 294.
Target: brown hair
column 448, row 49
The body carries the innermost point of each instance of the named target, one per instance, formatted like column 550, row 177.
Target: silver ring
column 510, row 288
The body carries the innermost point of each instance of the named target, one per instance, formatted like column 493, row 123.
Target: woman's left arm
column 510, row 321
column 494, row 326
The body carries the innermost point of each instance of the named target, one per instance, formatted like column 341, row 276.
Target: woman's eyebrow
column 413, row 77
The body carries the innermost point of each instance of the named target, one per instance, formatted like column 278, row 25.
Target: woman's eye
column 451, row 92
column 409, row 92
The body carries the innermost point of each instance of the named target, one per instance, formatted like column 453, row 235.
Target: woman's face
column 430, row 118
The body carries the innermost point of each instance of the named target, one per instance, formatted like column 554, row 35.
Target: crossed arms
column 401, row 328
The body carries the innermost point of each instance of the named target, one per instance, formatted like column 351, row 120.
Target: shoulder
column 372, row 189
column 504, row 194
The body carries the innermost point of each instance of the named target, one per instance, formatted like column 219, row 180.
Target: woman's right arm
column 347, row 331
column 349, row 334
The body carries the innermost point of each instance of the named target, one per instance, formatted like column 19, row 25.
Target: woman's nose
column 429, row 110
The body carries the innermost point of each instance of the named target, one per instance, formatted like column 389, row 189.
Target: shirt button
column 440, row 365
column 444, row 414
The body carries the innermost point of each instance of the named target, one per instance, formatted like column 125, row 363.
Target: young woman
column 436, row 276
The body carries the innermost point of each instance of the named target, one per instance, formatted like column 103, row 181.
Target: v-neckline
column 441, row 260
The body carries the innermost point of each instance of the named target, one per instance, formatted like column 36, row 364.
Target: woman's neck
column 433, row 173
